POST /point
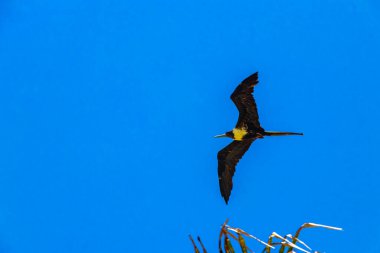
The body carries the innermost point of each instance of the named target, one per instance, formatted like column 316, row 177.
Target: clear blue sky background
column 108, row 109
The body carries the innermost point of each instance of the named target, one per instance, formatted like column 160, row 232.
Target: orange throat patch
column 239, row 133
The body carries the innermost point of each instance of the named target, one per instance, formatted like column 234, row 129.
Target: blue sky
column 108, row 109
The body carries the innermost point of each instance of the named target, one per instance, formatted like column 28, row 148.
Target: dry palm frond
column 228, row 234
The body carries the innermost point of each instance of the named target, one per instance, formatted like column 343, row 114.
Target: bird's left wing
column 228, row 157
column 244, row 101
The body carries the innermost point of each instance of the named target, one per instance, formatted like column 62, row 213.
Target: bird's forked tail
column 272, row 133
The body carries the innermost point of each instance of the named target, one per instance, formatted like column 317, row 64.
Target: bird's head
column 229, row 134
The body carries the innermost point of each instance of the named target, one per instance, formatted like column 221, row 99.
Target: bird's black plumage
column 228, row 157
column 244, row 101
column 247, row 130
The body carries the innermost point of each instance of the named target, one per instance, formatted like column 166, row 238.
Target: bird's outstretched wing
column 244, row 101
column 228, row 157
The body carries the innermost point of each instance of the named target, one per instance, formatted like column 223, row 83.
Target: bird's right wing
column 228, row 157
column 244, row 101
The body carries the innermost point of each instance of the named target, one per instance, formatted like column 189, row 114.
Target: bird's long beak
column 220, row 136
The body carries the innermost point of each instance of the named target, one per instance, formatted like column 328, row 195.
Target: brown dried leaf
column 228, row 246
column 242, row 243
column 203, row 247
column 196, row 250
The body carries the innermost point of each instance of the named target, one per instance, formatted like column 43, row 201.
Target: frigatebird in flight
column 245, row 132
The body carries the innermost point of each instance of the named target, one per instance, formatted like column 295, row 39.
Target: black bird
column 245, row 132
